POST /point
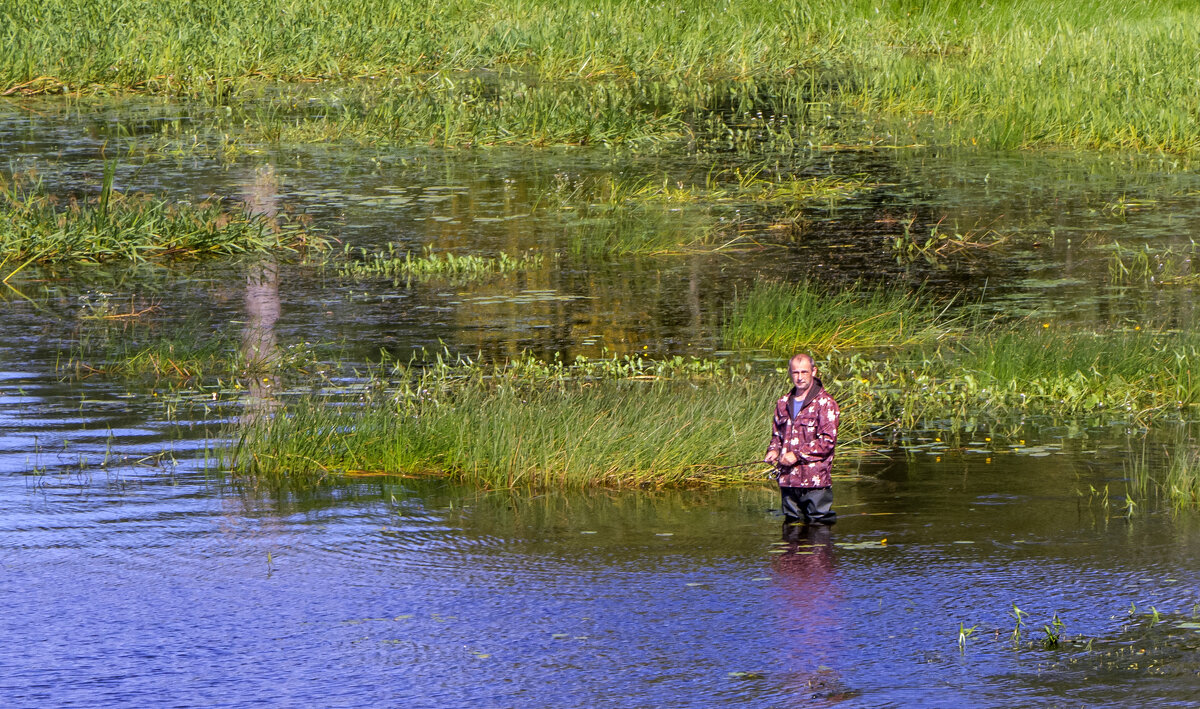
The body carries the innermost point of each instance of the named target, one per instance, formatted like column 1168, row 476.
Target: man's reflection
column 805, row 574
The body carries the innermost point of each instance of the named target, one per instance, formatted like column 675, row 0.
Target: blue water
column 135, row 572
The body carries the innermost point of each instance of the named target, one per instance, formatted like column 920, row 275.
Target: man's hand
column 789, row 458
column 772, row 456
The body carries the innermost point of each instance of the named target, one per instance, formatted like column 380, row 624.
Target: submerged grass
column 661, row 215
column 469, row 111
column 38, row 227
column 390, row 263
column 191, row 353
column 1174, row 476
column 1145, row 266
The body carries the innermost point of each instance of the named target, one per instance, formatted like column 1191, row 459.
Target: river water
column 136, row 575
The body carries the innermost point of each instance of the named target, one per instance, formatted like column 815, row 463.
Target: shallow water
column 140, row 585
column 134, row 576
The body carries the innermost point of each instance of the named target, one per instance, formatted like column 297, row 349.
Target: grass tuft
column 787, row 318
column 40, row 228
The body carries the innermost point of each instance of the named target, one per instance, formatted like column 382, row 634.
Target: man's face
column 803, row 372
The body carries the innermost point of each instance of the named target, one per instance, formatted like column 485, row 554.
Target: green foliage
column 1100, row 73
column 1168, row 266
column 635, row 422
column 1026, row 368
column 788, row 318
column 612, row 422
column 391, row 264
column 38, row 227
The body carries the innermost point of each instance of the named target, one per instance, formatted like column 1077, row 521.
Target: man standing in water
column 803, row 437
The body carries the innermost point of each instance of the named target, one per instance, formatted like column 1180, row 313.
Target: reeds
column 787, row 318
column 38, row 227
column 614, row 422
column 1031, row 72
column 635, row 422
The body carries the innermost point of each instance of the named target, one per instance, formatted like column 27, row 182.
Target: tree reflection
column 259, row 345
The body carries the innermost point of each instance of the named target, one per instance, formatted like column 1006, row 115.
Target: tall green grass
column 1028, row 72
column 787, row 318
column 39, row 227
column 633, row 422
column 990, row 373
column 615, row 422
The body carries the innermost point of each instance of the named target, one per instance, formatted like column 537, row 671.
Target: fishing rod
column 889, row 424
column 872, row 432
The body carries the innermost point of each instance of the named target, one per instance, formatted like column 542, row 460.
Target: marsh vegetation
column 40, row 227
column 1034, row 72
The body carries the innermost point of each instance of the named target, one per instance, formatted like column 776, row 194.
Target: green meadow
column 1097, row 73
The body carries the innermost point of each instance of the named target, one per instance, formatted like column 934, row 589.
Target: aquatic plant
column 941, row 245
column 1168, row 266
column 719, row 187
column 786, row 318
column 963, row 634
column 1053, row 631
column 148, row 346
column 1173, row 476
column 390, row 263
column 469, row 111
column 37, row 227
column 616, row 421
column 1018, row 617
column 643, row 232
column 168, row 358
column 623, row 423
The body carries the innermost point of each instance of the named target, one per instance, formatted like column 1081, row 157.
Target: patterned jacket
column 811, row 435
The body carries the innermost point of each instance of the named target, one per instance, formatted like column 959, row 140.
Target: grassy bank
column 1030, row 72
column 39, row 227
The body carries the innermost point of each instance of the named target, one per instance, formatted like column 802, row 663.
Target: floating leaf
column 861, row 545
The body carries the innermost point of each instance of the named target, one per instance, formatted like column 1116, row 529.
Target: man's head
column 803, row 371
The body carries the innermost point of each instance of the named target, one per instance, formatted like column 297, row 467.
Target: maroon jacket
column 811, row 435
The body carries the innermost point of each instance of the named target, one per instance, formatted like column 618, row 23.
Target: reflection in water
column 811, row 600
column 259, row 345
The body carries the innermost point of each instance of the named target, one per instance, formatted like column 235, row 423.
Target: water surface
column 135, row 573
